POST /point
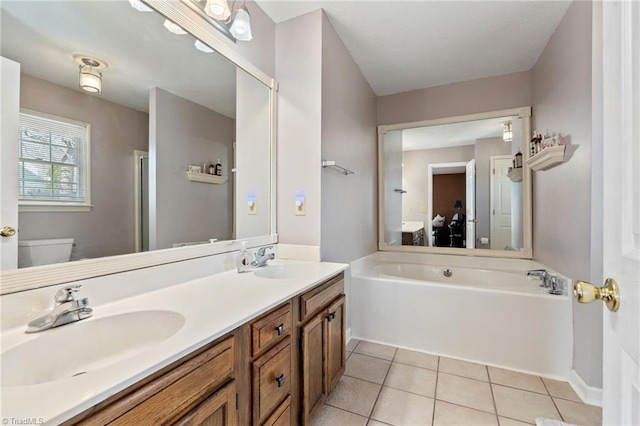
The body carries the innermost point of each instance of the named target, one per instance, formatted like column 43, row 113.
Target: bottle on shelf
column 518, row 160
column 211, row 169
column 218, row 168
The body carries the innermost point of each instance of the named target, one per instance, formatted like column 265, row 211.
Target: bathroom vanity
column 262, row 348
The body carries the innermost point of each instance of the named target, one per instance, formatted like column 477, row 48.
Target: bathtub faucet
column 545, row 277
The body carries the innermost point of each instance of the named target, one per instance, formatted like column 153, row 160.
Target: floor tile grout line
column 493, row 396
column 520, row 389
column 345, row 410
column 465, row 406
column 435, row 392
column 553, row 400
column 380, row 391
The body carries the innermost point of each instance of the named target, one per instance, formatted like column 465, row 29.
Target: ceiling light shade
column 507, row 132
column 241, row 27
column 139, row 6
column 218, row 9
column 90, row 79
column 203, row 47
column 173, row 27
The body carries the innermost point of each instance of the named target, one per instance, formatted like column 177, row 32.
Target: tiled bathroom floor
column 383, row 385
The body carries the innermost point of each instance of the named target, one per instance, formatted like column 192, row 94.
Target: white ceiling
column 407, row 45
column 450, row 135
column 44, row 35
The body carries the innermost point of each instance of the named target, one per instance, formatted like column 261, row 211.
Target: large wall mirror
column 176, row 152
column 458, row 185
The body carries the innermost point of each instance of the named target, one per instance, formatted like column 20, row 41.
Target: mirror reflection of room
column 457, row 185
column 90, row 188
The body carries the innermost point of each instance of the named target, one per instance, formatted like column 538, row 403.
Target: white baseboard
column 588, row 394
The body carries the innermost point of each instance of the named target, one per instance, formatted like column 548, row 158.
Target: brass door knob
column 585, row 292
column 7, row 231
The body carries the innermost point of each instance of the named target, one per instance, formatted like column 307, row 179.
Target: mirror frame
column 526, row 252
column 16, row 280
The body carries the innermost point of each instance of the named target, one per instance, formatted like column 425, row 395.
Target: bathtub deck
column 385, row 385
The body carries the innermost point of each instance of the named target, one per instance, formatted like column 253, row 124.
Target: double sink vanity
column 261, row 348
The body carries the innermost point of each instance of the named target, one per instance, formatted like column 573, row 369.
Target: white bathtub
column 488, row 311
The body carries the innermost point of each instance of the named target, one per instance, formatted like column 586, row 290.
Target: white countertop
column 212, row 306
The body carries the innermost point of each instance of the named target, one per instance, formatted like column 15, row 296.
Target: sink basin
column 85, row 346
column 288, row 271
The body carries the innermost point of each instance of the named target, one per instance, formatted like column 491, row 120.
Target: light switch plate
column 300, row 206
column 253, row 208
column 423, row 209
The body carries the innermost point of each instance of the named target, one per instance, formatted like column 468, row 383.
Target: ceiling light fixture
column 241, row 26
column 173, row 27
column 139, row 6
column 507, row 132
column 203, row 47
column 218, row 9
column 90, row 76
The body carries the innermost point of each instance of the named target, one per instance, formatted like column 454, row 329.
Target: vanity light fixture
column 202, row 47
column 241, row 26
column 507, row 132
column 139, row 6
column 90, row 76
column 173, row 27
column 218, row 9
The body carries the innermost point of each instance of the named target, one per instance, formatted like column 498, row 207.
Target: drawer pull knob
column 280, row 380
column 331, row 316
column 280, row 329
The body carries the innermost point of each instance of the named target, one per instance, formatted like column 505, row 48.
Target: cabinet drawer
column 271, row 380
column 320, row 296
column 172, row 395
column 282, row 415
column 270, row 327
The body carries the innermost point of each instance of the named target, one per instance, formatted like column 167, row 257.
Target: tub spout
column 543, row 274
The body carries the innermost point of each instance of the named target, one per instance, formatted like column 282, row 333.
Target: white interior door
column 471, row 204
column 500, row 202
column 9, row 113
column 621, row 194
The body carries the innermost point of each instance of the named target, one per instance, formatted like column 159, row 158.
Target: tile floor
column 383, row 385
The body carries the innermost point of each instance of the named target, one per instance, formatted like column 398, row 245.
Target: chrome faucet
column 548, row 280
column 262, row 257
column 68, row 309
column 543, row 274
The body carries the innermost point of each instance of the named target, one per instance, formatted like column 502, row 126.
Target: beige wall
column 467, row 97
column 299, row 73
column 108, row 229
column 349, row 203
column 562, row 195
column 183, row 133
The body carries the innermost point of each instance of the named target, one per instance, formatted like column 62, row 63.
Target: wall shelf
column 206, row 178
column 515, row 175
column 547, row 158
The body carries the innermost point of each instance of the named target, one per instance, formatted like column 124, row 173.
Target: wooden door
column 217, row 410
column 314, row 383
column 335, row 320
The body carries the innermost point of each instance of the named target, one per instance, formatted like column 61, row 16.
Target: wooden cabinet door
column 335, row 319
column 219, row 409
column 314, row 383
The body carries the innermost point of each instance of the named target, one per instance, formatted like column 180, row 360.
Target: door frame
column 492, row 192
column 430, row 172
column 138, row 156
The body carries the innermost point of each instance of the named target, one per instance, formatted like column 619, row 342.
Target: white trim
column 492, row 193
column 524, row 113
column 588, row 394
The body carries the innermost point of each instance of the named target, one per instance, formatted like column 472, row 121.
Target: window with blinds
column 52, row 160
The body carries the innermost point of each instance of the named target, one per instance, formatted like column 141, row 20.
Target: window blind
column 51, row 161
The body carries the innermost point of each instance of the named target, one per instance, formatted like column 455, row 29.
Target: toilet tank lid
column 28, row 243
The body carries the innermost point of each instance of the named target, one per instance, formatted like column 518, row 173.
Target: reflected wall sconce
column 173, row 27
column 241, row 26
column 507, row 132
column 218, row 10
column 139, row 6
column 202, row 47
column 90, row 79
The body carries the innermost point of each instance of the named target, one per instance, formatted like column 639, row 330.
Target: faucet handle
column 263, row 250
column 66, row 294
